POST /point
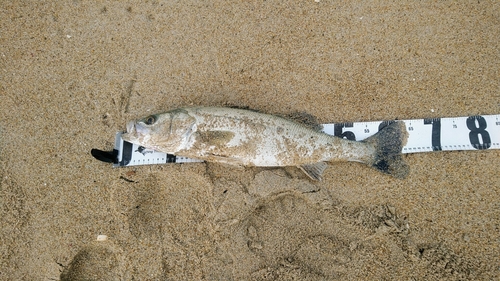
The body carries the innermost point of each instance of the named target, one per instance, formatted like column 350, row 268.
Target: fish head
column 167, row 132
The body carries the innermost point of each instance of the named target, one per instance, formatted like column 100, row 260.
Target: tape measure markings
column 425, row 135
column 434, row 134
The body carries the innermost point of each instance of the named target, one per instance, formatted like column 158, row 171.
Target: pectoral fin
column 314, row 171
column 217, row 138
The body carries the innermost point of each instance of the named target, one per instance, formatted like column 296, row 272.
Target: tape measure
column 425, row 135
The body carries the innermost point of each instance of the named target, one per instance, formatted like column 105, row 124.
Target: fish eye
column 150, row 120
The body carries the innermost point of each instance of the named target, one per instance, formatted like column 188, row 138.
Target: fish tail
column 388, row 143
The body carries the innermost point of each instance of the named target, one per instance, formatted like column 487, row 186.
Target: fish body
column 248, row 138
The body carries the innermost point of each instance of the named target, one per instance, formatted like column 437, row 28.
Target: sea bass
column 248, row 138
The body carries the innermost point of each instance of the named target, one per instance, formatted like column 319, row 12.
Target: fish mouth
column 130, row 127
column 131, row 134
column 136, row 133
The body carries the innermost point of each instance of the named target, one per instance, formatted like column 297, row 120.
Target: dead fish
column 248, row 138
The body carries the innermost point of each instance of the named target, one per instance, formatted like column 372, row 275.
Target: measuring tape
column 425, row 135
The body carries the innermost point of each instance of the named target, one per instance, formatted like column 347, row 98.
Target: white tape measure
column 436, row 134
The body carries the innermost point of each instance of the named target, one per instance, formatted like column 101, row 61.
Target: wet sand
column 73, row 73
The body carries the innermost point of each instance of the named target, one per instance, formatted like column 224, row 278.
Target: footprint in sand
column 169, row 226
column 281, row 228
column 289, row 232
column 101, row 260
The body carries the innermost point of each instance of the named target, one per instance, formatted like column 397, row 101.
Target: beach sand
column 72, row 73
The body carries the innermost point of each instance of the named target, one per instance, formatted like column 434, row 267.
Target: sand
column 72, row 73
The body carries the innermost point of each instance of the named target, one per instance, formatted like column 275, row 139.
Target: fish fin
column 388, row 143
column 217, row 138
column 244, row 107
column 315, row 170
column 305, row 119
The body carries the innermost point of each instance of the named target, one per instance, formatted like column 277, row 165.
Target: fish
column 245, row 137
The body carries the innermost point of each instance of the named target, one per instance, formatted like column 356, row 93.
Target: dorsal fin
column 236, row 106
column 305, row 119
column 315, row 170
